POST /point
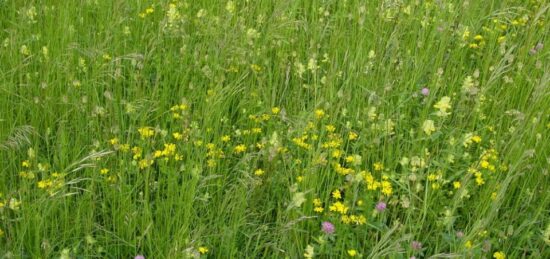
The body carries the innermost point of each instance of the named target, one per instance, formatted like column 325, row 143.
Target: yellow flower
column 457, row 185
column 484, row 164
column 230, row 7
column 275, row 110
column 309, row 252
column 259, row 172
column 317, row 202
column 499, row 255
column 352, row 136
column 25, row 50
column 146, row 132
column 443, row 105
column 352, row 252
column 144, row 163
column 386, row 188
column 104, row 171
column 226, row 138
column 319, row 113
column 44, row 184
column 113, row 141
column 26, row 164
column 428, row 127
column 339, row 207
column 336, row 194
column 350, row 159
column 177, row 135
column 239, row 149
column 203, row 250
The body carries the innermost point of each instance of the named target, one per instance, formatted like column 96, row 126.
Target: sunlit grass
column 276, row 129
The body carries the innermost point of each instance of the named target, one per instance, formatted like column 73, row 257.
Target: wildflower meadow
column 274, row 129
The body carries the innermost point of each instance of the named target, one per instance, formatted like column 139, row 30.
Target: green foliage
column 234, row 129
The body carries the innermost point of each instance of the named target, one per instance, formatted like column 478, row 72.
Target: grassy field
column 274, row 129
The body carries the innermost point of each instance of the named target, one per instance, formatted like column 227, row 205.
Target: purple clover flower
column 425, row 91
column 381, row 206
column 327, row 227
column 415, row 245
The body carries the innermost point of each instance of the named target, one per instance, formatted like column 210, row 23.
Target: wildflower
column 146, row 132
column 139, row 257
column 425, row 91
column 499, row 255
column 275, row 110
column 415, row 245
column 107, row 57
column 226, row 138
column 43, row 184
column 457, row 185
column 104, row 171
column 336, row 194
column 319, row 113
column 386, row 188
column 317, row 202
column 14, row 204
column 339, row 207
column 25, row 50
column 177, row 135
column 113, row 141
column 203, row 250
column 352, row 136
column 327, row 227
column 428, row 127
column 239, row 148
column 352, row 252
column 309, row 252
column 312, row 65
column 378, row 166
column 259, row 172
column 443, row 105
column 230, row 7
column 26, row 164
column 256, row 68
column 380, row 206
column 297, row 200
column 144, row 163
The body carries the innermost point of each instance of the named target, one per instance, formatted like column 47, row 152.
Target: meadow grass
column 274, row 129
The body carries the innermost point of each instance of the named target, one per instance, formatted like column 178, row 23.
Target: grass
column 233, row 129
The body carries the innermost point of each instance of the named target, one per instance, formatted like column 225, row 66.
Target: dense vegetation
column 274, row 129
